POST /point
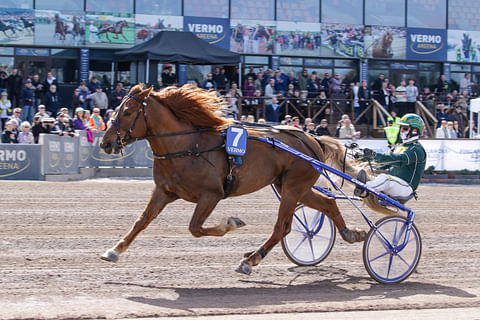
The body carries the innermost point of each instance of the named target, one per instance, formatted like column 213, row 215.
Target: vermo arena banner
column 427, row 44
column 20, row 162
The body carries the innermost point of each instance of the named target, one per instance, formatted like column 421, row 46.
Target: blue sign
column 275, row 63
column 213, row 30
column 312, row 62
column 84, row 63
column 404, row 66
column 182, row 74
column 236, row 141
column 426, row 44
column 32, row 52
column 364, row 70
column 446, row 71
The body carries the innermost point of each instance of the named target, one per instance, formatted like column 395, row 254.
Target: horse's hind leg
column 314, row 199
column 203, row 209
column 158, row 200
column 281, row 229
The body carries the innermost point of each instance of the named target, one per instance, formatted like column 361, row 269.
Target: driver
column 405, row 163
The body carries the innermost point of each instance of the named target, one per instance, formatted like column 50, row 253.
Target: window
column 59, row 5
column 385, row 12
column 426, row 14
column 162, row 7
column 115, row 6
column 300, row 10
column 463, row 15
column 342, row 11
column 251, row 9
column 206, row 8
column 256, row 60
column 23, row 4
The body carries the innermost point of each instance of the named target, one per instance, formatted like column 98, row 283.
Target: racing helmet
column 414, row 121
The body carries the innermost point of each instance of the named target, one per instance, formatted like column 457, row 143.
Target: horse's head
column 130, row 121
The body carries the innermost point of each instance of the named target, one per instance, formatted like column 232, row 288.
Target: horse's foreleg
column 328, row 206
column 203, row 209
column 158, row 200
column 281, row 229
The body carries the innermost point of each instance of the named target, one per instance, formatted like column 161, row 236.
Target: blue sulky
column 392, row 248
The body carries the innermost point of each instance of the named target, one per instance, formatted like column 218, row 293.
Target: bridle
column 143, row 109
column 128, row 136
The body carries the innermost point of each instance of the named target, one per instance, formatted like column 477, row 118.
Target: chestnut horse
column 185, row 135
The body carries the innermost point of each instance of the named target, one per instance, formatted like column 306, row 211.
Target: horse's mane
column 190, row 104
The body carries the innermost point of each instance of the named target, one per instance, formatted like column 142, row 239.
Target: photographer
column 49, row 126
column 64, row 126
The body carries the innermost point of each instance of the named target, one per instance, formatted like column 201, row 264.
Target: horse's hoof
column 235, row 222
column 110, row 255
column 360, row 235
column 248, row 254
column 348, row 235
column 244, row 268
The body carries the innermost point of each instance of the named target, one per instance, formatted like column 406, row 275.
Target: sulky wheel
column 311, row 238
column 382, row 257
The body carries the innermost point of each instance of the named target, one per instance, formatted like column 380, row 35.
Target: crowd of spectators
column 32, row 105
column 29, row 107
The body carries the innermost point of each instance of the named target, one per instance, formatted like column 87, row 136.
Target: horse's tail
column 334, row 156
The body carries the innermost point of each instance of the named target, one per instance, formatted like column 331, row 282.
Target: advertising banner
column 385, row 42
column 17, row 26
column 453, row 154
column 53, row 27
column 298, row 38
column 257, row 37
column 147, row 26
column 427, row 44
column 342, row 40
column 20, row 162
column 213, row 30
column 84, row 63
column 109, row 29
column 137, row 154
column 60, row 154
column 463, row 46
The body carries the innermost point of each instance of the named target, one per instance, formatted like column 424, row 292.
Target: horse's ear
column 145, row 93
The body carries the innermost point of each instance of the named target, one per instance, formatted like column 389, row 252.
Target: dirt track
column 53, row 233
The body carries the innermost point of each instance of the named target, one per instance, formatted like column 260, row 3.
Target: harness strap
column 172, row 134
column 186, row 153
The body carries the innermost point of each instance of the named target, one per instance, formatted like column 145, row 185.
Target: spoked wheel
column 381, row 255
column 311, row 238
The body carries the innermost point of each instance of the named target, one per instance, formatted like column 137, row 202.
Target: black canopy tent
column 177, row 47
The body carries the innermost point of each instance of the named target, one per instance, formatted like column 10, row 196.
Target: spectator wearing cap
column 41, row 111
column 322, row 129
column 96, row 123
column 168, row 77
column 51, row 101
column 78, row 121
column 16, row 115
column 36, row 127
column 117, row 95
column 5, row 109
column 108, row 115
column 93, row 84
column 99, row 100
column 28, row 98
column 64, row 125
